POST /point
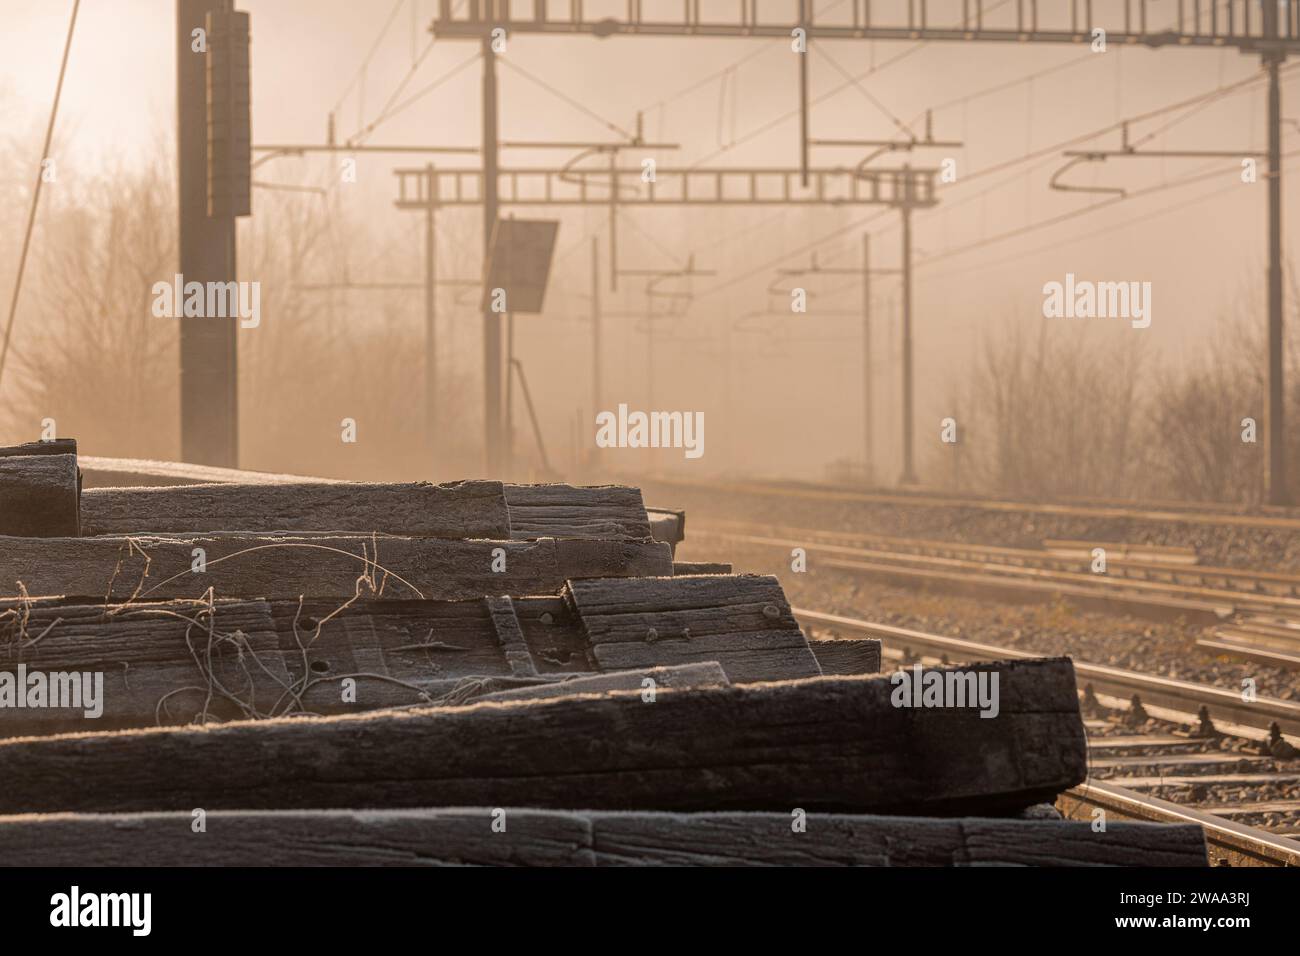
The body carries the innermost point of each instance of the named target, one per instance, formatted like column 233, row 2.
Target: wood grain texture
column 685, row 568
column 738, row 839
column 303, row 838
column 742, row 621
column 160, row 659
column 600, row 558
column 833, row 744
column 532, row 837
column 680, row 677
column 137, row 472
column 150, row 672
column 270, row 658
column 462, row 509
column 285, row 567
column 39, row 495
column 568, row 511
column 55, row 446
column 847, row 656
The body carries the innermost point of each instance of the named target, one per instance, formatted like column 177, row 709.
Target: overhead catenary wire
column 358, row 137
column 1188, row 180
column 1079, row 237
column 790, row 114
column 1028, row 156
column 423, row 92
column 36, row 193
column 1031, row 155
column 902, row 127
column 735, row 64
column 386, row 111
column 565, row 97
column 365, row 62
column 871, row 71
column 1009, row 84
column 1046, row 151
column 667, row 252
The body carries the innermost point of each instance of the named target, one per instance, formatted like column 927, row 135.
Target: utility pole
column 208, row 356
column 908, row 476
column 867, row 443
column 595, row 328
column 804, row 53
column 431, row 320
column 491, row 319
column 1276, row 483
column 613, row 220
column 865, row 273
column 508, row 431
column 424, row 181
column 909, row 199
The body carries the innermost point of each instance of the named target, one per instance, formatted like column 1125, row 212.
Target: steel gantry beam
column 1239, row 24
column 756, row 186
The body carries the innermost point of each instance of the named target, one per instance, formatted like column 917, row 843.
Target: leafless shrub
column 1196, row 421
column 1054, row 416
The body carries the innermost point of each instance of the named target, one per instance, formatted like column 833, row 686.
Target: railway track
column 1169, row 512
column 1131, row 775
column 1128, row 772
column 1255, row 614
column 1173, row 576
column 1230, row 843
column 1165, row 697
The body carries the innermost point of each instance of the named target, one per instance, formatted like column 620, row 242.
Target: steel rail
column 1234, row 580
column 1235, row 843
column 1184, row 697
column 1134, row 512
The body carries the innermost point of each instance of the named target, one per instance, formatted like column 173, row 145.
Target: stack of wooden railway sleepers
column 349, row 673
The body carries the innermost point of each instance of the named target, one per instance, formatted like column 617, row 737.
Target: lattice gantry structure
column 1267, row 28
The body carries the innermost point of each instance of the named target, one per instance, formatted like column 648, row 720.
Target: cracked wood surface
column 576, row 511
column 462, row 509
column 858, row 656
column 743, row 621
column 533, row 837
column 285, row 567
column 268, row 658
column 821, row 744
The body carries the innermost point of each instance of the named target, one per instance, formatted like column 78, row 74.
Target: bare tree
column 1049, row 417
column 87, row 350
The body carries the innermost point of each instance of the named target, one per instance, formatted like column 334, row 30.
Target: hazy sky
column 1201, row 245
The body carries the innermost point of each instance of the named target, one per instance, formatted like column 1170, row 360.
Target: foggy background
column 1085, row 407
